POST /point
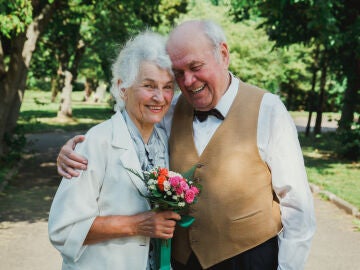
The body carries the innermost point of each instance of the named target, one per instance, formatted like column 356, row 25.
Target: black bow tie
column 203, row 115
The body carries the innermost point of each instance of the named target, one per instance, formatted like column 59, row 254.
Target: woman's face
column 149, row 98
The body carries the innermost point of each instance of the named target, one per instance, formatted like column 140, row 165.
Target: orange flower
column 163, row 171
column 160, row 181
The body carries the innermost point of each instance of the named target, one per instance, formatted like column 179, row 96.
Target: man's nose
column 188, row 79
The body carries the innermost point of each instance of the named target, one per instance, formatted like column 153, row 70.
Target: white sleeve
column 74, row 207
column 284, row 157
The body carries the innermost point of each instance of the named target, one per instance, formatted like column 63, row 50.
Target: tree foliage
column 331, row 25
column 15, row 16
column 76, row 36
column 16, row 49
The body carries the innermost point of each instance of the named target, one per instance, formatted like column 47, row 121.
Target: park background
column 56, row 56
column 55, row 70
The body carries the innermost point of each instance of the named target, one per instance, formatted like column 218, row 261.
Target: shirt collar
column 227, row 99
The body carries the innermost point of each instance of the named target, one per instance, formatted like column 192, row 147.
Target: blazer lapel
column 121, row 139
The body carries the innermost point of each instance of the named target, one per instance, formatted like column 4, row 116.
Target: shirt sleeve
column 284, row 157
column 74, row 207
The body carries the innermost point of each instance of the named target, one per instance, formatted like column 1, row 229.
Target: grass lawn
column 38, row 114
column 324, row 168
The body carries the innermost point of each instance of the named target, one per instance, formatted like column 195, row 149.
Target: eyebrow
column 153, row 81
column 194, row 62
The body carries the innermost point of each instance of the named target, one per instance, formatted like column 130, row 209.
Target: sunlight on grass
column 39, row 114
column 356, row 223
column 326, row 170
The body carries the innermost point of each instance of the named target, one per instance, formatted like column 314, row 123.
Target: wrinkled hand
column 68, row 161
column 157, row 224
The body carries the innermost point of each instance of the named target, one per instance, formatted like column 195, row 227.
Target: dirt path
column 24, row 206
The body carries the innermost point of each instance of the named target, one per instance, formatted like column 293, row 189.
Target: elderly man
column 256, row 208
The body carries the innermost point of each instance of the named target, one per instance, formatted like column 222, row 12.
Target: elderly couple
column 256, row 209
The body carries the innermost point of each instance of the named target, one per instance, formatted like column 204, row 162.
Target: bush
column 349, row 146
column 15, row 143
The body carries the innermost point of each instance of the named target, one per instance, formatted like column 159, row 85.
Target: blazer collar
column 121, row 139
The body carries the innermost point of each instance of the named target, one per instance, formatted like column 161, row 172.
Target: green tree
column 22, row 23
column 329, row 25
column 96, row 25
column 80, row 35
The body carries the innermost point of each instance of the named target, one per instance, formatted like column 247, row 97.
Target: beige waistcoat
column 237, row 209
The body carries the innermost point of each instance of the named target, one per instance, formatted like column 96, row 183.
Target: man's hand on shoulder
column 68, row 161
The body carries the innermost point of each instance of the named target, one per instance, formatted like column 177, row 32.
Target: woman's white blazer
column 105, row 188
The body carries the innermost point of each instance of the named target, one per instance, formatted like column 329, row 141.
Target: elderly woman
column 100, row 220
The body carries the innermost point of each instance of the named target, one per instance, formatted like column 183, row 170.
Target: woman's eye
column 168, row 87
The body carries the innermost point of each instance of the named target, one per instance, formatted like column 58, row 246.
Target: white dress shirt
column 279, row 148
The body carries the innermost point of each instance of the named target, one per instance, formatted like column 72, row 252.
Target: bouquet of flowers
column 168, row 190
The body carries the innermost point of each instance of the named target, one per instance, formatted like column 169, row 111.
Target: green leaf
column 189, row 175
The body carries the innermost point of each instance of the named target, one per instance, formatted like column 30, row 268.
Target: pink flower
column 179, row 190
column 189, row 196
column 183, row 184
column 174, row 181
column 195, row 190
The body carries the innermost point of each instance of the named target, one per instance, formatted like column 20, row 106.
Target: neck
column 145, row 129
column 145, row 132
column 228, row 82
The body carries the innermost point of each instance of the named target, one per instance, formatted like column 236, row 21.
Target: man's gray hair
column 215, row 34
column 145, row 47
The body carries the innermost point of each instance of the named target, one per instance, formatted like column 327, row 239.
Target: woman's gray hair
column 146, row 46
column 215, row 34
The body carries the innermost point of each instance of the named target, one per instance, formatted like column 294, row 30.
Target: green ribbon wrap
column 163, row 247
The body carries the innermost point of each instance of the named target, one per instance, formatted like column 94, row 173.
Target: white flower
column 172, row 174
column 152, row 182
column 175, row 197
column 181, row 204
column 167, row 186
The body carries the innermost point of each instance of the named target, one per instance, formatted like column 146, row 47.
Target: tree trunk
column 351, row 96
column 80, row 50
column 312, row 91
column 57, row 83
column 65, row 103
column 100, row 92
column 65, row 109
column 320, row 107
column 12, row 83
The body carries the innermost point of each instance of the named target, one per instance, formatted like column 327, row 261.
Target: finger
column 71, row 172
column 75, row 140
column 170, row 215
column 62, row 172
column 165, row 235
column 67, row 167
column 75, row 160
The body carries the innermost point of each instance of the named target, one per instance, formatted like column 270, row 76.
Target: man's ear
column 225, row 54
